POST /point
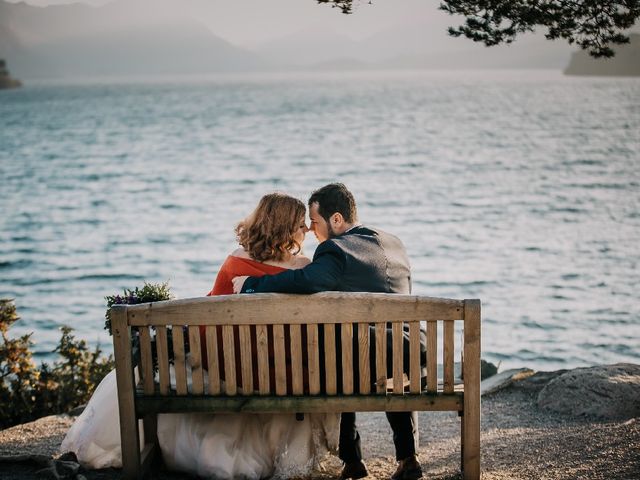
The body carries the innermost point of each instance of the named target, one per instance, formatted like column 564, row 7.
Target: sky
column 248, row 23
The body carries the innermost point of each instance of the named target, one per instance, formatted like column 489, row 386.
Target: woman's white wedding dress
column 222, row 446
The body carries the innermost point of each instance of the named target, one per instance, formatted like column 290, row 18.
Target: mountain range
column 133, row 37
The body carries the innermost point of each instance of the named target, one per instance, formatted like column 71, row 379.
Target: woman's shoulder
column 240, row 253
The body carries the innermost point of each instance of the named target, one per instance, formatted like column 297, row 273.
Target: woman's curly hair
column 267, row 234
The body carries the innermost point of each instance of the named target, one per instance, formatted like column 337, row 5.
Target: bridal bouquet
column 150, row 292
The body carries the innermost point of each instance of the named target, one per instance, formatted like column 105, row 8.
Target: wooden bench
column 272, row 318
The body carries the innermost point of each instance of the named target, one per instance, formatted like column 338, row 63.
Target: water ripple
column 522, row 191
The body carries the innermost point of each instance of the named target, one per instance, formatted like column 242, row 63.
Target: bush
column 18, row 375
column 28, row 392
column 150, row 292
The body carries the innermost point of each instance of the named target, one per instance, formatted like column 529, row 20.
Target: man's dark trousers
column 403, row 424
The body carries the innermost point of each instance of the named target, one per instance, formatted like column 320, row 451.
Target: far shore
column 519, row 440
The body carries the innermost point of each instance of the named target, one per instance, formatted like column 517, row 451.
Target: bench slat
column 195, row 360
column 432, row 356
column 246, row 360
column 162, row 351
column 314, row 359
column 414, row 357
column 260, row 309
column 280, row 359
column 398, row 380
column 262, row 339
column 296, row 360
column 304, row 404
column 363, row 355
column 229, row 351
column 213, row 372
column 381, row 357
column 447, row 359
column 146, row 372
column 347, row 357
column 330, row 358
column 179, row 360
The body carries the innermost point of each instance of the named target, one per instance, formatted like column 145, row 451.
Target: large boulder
column 608, row 391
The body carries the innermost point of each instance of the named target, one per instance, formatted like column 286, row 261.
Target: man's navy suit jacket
column 360, row 260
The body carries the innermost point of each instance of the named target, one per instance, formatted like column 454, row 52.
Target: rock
column 487, row 369
column 538, row 380
column 503, row 380
column 67, row 469
column 76, row 411
column 44, row 460
column 610, row 392
column 48, row 473
column 5, row 79
column 68, row 457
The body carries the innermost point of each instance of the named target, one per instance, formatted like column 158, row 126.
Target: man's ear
column 336, row 219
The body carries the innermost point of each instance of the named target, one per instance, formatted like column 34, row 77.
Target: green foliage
column 28, row 392
column 345, row 6
column 150, row 292
column 18, row 375
column 594, row 25
column 77, row 374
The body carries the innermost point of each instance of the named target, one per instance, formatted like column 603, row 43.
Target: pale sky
column 248, row 23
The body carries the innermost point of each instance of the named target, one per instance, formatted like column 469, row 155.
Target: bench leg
column 470, row 430
column 129, row 434
column 461, row 415
column 151, row 447
column 130, row 440
column 471, row 411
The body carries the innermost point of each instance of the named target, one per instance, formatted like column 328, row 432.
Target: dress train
column 221, row 446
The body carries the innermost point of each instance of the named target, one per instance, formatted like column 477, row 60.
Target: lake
column 521, row 188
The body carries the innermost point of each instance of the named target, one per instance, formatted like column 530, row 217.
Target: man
column 350, row 258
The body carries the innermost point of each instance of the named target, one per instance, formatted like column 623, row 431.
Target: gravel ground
column 518, row 442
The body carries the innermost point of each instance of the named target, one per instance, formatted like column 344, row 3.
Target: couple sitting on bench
column 349, row 258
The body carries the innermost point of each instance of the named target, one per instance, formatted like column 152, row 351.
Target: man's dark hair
column 333, row 198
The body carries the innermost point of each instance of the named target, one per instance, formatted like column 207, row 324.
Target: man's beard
column 332, row 234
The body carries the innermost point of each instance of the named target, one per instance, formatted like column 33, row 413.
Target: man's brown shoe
column 408, row 469
column 354, row 470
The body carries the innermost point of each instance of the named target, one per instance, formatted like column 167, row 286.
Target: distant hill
column 625, row 63
column 432, row 48
column 115, row 39
column 418, row 46
column 158, row 37
column 308, row 47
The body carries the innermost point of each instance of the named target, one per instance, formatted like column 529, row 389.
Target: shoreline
column 519, row 439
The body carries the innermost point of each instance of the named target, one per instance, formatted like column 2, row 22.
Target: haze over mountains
column 153, row 37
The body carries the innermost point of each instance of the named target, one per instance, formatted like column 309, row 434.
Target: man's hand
column 238, row 282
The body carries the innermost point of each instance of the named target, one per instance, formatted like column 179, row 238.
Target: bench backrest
column 285, row 341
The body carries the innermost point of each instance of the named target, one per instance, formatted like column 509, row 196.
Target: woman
column 234, row 445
